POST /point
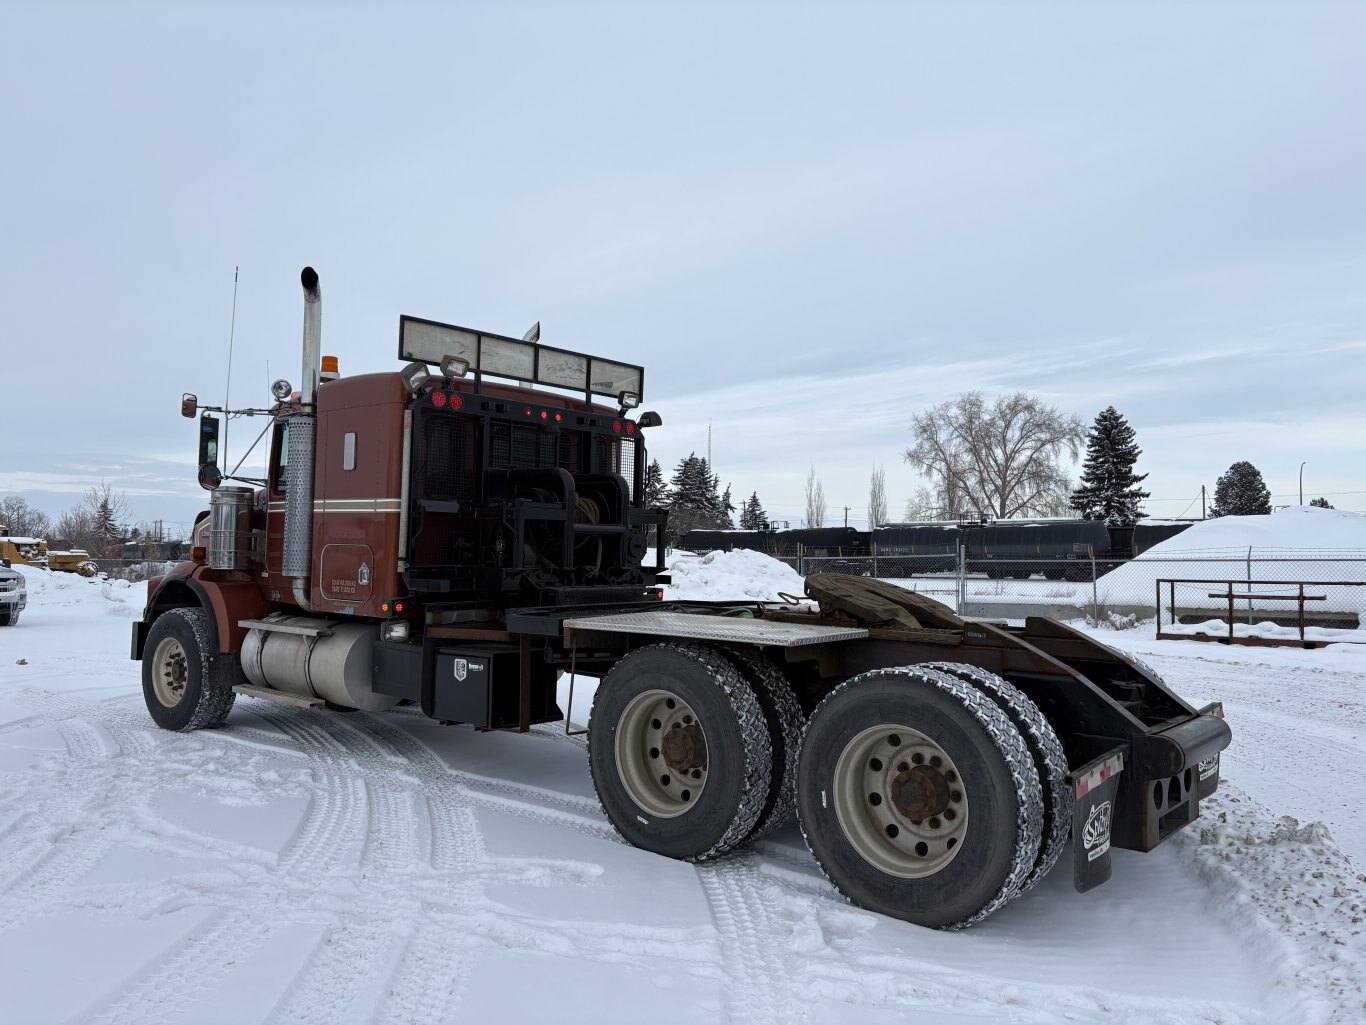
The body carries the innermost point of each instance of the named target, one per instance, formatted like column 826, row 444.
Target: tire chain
column 1018, row 760
column 1049, row 759
column 756, row 748
column 787, row 723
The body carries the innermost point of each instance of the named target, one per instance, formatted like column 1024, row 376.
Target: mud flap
column 1095, row 785
column 1207, row 771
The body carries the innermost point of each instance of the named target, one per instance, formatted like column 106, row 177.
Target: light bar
column 427, row 341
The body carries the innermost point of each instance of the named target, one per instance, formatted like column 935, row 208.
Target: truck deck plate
column 717, row 628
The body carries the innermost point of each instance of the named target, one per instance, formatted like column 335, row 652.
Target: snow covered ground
column 301, row 866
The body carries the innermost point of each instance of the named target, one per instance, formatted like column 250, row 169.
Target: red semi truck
column 457, row 534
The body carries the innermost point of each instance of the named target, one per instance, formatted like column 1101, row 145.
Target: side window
column 280, row 445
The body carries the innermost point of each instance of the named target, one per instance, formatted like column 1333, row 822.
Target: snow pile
column 1297, row 531
column 1295, row 895
column 1295, row 544
column 731, row 576
column 52, row 589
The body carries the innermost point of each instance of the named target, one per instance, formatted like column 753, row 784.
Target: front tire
column 186, row 685
column 918, row 797
column 679, row 751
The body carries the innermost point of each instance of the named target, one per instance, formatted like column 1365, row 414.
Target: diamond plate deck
column 717, row 628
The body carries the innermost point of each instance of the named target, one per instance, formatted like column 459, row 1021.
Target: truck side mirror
column 189, row 405
column 649, row 419
column 209, row 474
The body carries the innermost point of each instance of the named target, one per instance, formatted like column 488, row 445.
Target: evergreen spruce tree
column 106, row 527
column 1241, row 492
column 727, row 507
column 693, row 499
column 752, row 515
column 654, row 495
column 1321, row 503
column 1109, row 487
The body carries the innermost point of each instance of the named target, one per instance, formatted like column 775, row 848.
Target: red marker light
column 616, row 426
column 544, row 415
column 438, row 399
column 398, row 607
column 456, row 401
column 559, row 417
column 528, row 412
column 630, row 427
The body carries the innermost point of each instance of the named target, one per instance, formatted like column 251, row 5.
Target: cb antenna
column 232, row 329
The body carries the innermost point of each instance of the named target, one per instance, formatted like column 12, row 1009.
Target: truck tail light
column 616, row 426
column 439, row 399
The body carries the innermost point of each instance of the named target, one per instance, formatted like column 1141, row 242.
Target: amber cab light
column 198, row 553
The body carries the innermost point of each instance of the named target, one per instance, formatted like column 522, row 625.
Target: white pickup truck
column 13, row 594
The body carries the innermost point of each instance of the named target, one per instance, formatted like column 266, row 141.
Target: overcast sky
column 807, row 221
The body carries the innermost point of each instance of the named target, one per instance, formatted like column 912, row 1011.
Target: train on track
column 1055, row 548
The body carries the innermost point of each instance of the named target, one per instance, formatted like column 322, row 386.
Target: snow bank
column 731, row 576
column 1295, row 544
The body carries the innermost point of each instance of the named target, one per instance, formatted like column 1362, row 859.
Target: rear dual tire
column 919, row 797
column 679, row 751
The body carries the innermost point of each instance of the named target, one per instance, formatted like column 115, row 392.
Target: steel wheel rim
column 873, row 776
column 170, row 672
column 657, row 727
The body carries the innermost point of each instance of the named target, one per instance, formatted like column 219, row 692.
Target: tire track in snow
column 175, row 983
column 757, row 985
column 47, row 864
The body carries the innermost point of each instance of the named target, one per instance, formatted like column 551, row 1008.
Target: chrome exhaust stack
column 298, row 548
column 313, row 337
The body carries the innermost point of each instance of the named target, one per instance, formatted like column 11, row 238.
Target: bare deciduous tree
column 925, row 504
column 877, row 498
column 815, row 501
column 22, row 519
column 997, row 459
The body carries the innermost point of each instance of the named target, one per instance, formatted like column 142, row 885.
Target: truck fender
column 226, row 602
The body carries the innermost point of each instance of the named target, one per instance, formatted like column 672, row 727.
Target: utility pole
column 1202, row 501
column 846, row 516
column 1302, row 482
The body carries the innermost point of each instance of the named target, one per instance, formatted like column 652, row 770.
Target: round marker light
column 438, row 399
column 630, row 427
column 616, row 426
column 559, row 417
column 544, row 415
column 398, row 607
column 456, row 401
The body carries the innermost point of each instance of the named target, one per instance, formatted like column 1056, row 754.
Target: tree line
column 97, row 523
column 1002, row 458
